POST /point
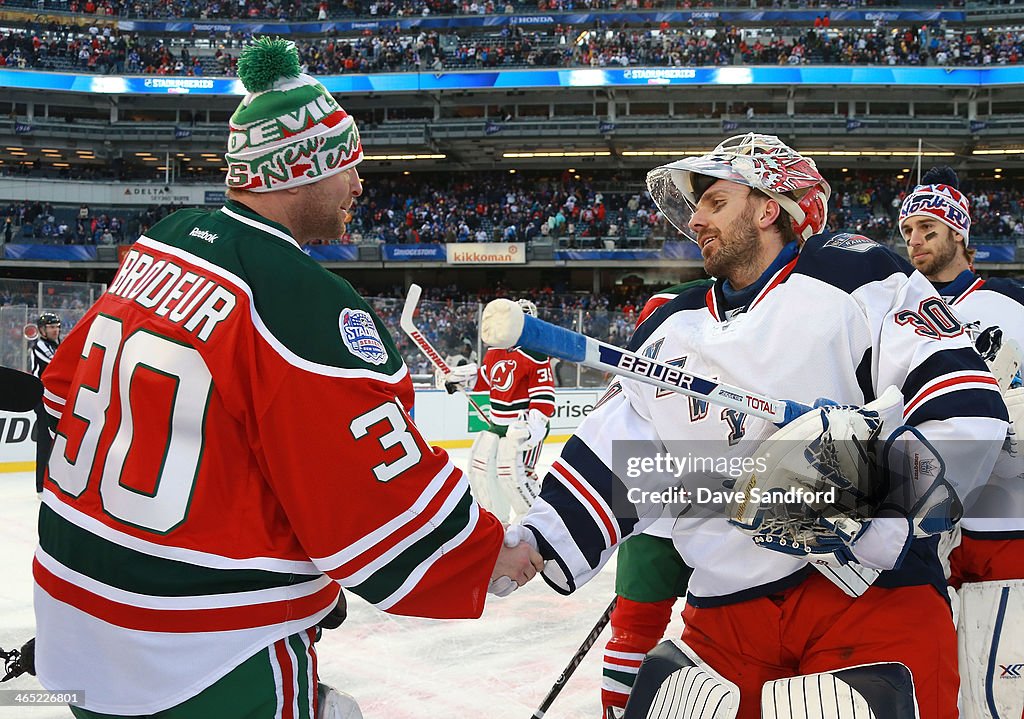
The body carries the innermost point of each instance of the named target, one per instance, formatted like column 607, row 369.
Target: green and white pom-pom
column 266, row 61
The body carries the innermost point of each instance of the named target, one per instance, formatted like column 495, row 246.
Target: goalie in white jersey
column 987, row 559
column 793, row 314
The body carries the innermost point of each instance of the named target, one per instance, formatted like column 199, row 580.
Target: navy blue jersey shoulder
column 1005, row 286
column 847, row 261
column 693, row 297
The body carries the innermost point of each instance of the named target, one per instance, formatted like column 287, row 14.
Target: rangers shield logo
column 853, row 243
column 361, row 336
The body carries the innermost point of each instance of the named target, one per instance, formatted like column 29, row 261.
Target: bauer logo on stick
column 361, row 336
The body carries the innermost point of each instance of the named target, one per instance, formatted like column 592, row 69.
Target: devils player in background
column 987, row 559
column 503, row 461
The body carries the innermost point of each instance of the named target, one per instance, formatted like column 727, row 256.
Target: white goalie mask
column 762, row 162
column 528, row 307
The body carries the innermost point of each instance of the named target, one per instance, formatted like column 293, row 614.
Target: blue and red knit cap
column 288, row 130
column 939, row 198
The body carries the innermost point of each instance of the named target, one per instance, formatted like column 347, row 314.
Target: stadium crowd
column 449, row 317
column 568, row 209
column 35, row 221
column 297, row 10
column 105, row 50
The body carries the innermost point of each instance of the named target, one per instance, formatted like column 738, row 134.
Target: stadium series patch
column 361, row 336
column 853, row 243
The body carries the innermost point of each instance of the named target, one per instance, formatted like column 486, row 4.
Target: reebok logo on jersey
column 203, row 235
column 361, row 336
column 853, row 243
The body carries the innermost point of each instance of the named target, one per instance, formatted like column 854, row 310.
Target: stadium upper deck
column 517, row 86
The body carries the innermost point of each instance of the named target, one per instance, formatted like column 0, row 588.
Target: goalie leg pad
column 990, row 637
column 869, row 691
column 674, row 683
column 483, row 478
column 332, row 704
column 519, row 488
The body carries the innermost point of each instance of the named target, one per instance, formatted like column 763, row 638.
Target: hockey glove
column 1002, row 355
column 459, row 379
column 529, row 432
column 537, row 421
column 336, row 616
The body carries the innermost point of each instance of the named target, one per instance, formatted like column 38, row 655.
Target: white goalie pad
column 868, row 691
column 998, row 506
column 1010, row 464
column 519, row 489
column 991, row 648
column 332, row 704
column 675, row 683
column 483, row 477
column 1015, row 406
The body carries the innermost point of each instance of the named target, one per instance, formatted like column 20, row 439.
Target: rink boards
column 445, row 420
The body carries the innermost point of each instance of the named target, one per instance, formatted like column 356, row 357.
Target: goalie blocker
column 674, row 683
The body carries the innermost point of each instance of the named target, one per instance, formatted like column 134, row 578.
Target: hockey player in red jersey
column 503, row 461
column 797, row 313
column 190, row 537
column 987, row 560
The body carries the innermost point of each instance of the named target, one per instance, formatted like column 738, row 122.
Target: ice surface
column 499, row 666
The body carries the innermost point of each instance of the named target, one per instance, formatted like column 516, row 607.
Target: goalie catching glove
column 832, row 494
column 457, row 379
column 529, row 432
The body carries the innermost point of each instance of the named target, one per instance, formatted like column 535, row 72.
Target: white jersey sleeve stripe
column 428, row 525
column 186, row 602
column 191, row 556
column 367, row 542
column 599, row 511
column 951, row 382
column 417, row 574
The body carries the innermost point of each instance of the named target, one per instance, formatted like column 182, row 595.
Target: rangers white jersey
column 998, row 512
column 844, row 319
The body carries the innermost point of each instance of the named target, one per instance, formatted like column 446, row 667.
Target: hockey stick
column 577, row 658
column 504, row 324
column 19, row 661
column 412, row 299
